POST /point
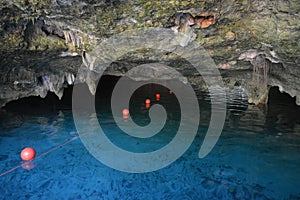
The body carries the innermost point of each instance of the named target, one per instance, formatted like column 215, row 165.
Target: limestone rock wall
column 254, row 43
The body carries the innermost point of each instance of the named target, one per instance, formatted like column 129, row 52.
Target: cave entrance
column 278, row 98
column 51, row 103
column 282, row 109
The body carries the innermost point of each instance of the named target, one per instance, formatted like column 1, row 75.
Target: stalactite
column 261, row 67
column 73, row 38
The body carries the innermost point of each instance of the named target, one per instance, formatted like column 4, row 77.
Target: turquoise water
column 256, row 157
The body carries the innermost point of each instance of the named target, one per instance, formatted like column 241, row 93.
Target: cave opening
column 277, row 98
column 278, row 102
column 51, row 103
column 282, row 109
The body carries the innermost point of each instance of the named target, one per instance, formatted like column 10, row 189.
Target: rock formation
column 43, row 43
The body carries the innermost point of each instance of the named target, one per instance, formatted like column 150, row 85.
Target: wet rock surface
column 42, row 42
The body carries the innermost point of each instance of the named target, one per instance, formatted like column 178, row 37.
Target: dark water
column 256, row 157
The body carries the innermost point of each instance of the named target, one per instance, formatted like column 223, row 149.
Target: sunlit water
column 256, row 157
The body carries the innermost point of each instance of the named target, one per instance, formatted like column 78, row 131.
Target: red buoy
column 148, row 101
column 125, row 113
column 28, row 154
column 157, row 97
column 170, row 91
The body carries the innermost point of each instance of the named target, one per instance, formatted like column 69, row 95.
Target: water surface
column 256, row 157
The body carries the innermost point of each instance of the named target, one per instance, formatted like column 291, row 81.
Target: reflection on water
column 256, row 157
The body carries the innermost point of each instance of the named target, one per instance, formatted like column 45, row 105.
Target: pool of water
column 256, row 157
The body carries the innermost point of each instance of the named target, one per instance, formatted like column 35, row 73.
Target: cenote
column 256, row 157
column 212, row 89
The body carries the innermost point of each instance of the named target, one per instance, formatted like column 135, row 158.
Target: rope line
column 11, row 170
column 44, row 154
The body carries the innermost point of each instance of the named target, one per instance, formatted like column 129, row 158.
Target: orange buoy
column 157, row 96
column 28, row 154
column 148, row 101
column 125, row 113
column 170, row 91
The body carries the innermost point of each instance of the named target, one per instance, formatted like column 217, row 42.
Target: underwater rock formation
column 254, row 43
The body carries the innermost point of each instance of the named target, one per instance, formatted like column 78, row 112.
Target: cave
column 282, row 110
column 149, row 99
